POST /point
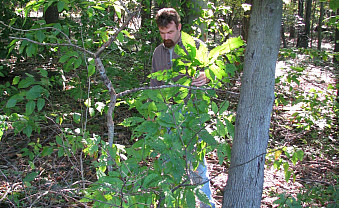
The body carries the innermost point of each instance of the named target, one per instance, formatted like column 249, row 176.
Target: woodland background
column 55, row 138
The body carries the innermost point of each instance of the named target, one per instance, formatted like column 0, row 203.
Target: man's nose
column 166, row 36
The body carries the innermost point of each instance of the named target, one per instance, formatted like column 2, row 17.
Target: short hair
column 165, row 16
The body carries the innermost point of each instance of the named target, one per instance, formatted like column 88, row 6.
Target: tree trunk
column 303, row 37
column 301, row 8
column 246, row 173
column 246, row 22
column 51, row 14
column 320, row 24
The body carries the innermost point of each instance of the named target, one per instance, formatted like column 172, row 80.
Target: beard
column 169, row 43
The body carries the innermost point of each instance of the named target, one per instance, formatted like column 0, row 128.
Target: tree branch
column 54, row 44
column 126, row 92
column 113, row 37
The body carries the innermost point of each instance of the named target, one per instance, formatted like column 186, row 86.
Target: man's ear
column 179, row 27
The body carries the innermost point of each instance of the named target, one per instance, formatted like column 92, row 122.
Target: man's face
column 170, row 34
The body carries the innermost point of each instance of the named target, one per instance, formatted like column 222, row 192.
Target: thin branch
column 35, row 29
column 54, row 44
column 113, row 37
column 126, row 92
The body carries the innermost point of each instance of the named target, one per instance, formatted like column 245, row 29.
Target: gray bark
column 246, row 173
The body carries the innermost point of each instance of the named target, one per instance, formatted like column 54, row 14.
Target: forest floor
column 319, row 169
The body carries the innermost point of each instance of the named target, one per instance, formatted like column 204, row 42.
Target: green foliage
column 169, row 145
column 29, row 94
column 282, row 158
column 311, row 196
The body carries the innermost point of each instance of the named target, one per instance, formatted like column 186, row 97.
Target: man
column 168, row 21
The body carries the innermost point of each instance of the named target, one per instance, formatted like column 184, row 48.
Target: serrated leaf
column 40, row 104
column 28, row 130
column 40, row 36
column 58, row 140
column 224, row 106
column 28, row 81
column 91, row 70
column 61, row 6
column 214, row 108
column 13, row 100
column 47, row 151
column 30, row 106
column 221, row 128
column 77, row 63
column 30, row 177
column 35, row 92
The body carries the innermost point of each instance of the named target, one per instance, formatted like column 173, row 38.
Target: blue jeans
column 203, row 176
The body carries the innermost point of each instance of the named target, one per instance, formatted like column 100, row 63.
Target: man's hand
column 200, row 80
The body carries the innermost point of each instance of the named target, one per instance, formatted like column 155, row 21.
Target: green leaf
column 334, row 5
column 77, row 63
column 224, row 106
column 117, row 9
column 120, row 37
column 91, row 70
column 13, row 100
column 40, row 104
column 28, row 130
column 28, row 81
column 40, row 36
column 214, row 108
column 30, row 107
column 43, row 72
column 58, row 140
column 91, row 111
column 99, row 8
column 35, row 92
column 16, row 80
column 221, row 128
column 228, row 46
column 61, row 6
column 149, row 179
column 189, row 44
column 76, row 117
column 132, row 121
column 30, row 177
column 190, row 198
column 31, row 49
column 229, row 128
column 47, row 151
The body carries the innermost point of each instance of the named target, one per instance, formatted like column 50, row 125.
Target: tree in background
column 246, row 173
